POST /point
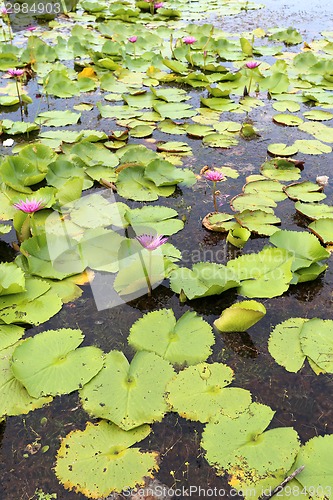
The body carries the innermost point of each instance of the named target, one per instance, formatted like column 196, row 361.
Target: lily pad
column 258, row 221
column 305, row 191
column 316, row 477
column 251, row 201
column 157, row 218
column 58, row 118
column 133, row 184
column 289, row 120
column 14, row 398
column 281, row 170
column 315, row 211
column 99, row 460
column 305, row 247
column 240, row 447
column 219, row 221
column 129, row 394
column 204, row 279
column 240, row 316
column 284, row 344
column 273, row 189
column 9, row 335
column 12, row 279
column 187, row 341
column 264, row 274
column 50, row 363
column 199, row 393
column 280, row 149
column 323, row 229
column 312, row 147
column 318, row 115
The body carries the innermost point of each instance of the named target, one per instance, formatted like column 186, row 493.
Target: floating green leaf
column 281, row 170
column 273, row 189
column 9, row 335
column 315, row 211
column 187, row 341
column 289, row 120
column 323, row 229
column 318, row 115
column 264, row 274
column 240, row 316
column 99, row 460
column 204, row 279
column 58, row 118
column 280, row 149
column 14, row 398
column 12, row 279
column 252, row 457
column 258, row 221
column 312, row 147
column 157, row 218
column 50, row 363
column 199, row 393
column 129, row 394
column 305, row 191
column 304, row 247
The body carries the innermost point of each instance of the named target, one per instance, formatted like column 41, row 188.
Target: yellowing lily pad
column 240, row 316
column 99, row 460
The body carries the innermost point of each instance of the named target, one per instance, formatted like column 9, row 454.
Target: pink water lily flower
column 158, row 5
column 252, row 64
column 4, row 11
column 15, row 73
column 132, row 39
column 31, row 28
column 151, row 242
column 189, row 40
column 30, row 206
column 214, row 175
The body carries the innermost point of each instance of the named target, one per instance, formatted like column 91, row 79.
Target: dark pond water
column 300, row 400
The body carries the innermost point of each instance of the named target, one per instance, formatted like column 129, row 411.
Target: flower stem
column 146, row 273
column 249, row 89
column 214, row 197
column 19, row 96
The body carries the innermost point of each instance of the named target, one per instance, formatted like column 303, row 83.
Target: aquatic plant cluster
column 149, row 59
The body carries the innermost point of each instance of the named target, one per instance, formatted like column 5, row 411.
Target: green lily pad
column 220, row 222
column 258, row 221
column 174, row 110
column 203, row 280
column 33, row 312
column 305, row 191
column 286, row 106
column 316, row 477
column 289, row 36
column 251, row 201
column 133, row 184
column 273, row 189
column 219, row 141
column 129, row 394
column 312, row 147
column 281, row 170
column 297, row 339
column 9, row 335
column 12, row 279
column 157, row 218
column 240, row 316
column 187, row 341
column 199, row 131
column 280, row 149
column 99, row 460
column 305, row 247
column 50, row 363
column 141, row 131
column 163, row 173
column 318, row 130
column 323, row 229
column 315, row 211
column 15, row 128
column 240, row 447
column 14, row 398
column 289, row 120
column 318, row 115
column 238, row 235
column 284, row 344
column 199, row 393
column 58, row 118
column 264, row 274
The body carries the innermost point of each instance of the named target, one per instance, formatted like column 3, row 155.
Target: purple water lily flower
column 214, row 175
column 252, row 64
column 30, row 206
column 15, row 73
column 151, row 242
column 132, row 39
column 189, row 40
